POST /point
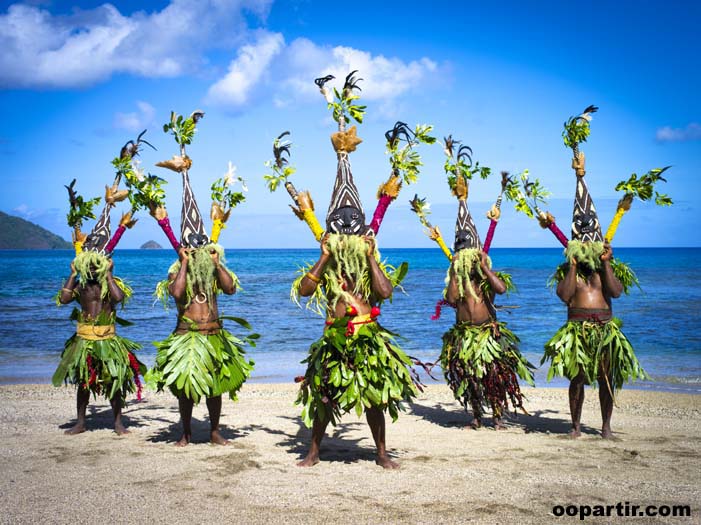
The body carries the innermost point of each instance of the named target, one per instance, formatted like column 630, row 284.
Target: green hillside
column 18, row 234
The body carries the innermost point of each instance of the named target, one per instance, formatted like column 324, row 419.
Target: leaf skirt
column 194, row 365
column 354, row 372
column 597, row 349
column 482, row 365
column 103, row 366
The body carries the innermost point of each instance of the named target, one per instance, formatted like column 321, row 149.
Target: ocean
column 663, row 320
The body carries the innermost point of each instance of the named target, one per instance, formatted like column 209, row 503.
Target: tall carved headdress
column 585, row 220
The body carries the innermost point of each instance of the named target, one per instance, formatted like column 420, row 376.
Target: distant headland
column 19, row 234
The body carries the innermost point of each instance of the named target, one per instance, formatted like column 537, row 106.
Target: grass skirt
column 593, row 347
column 196, row 365
column 106, row 366
column 481, row 368
column 354, row 371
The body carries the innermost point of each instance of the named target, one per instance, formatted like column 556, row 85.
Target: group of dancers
column 357, row 364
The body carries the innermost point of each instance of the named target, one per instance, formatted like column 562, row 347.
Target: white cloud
column 135, row 121
column 286, row 73
column 383, row 78
column 668, row 134
column 246, row 71
column 45, row 50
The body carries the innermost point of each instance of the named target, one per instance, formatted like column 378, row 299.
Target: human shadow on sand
column 336, row 445
column 101, row 418
column 171, row 430
column 539, row 421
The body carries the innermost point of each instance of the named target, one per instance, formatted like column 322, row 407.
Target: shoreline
column 448, row 474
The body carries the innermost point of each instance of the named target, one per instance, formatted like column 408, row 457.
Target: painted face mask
column 347, row 220
column 585, row 221
column 466, row 235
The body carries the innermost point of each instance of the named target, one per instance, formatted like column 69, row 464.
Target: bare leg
column 116, row 403
column 476, row 417
column 376, row 420
column 496, row 417
column 606, row 402
column 185, row 406
column 82, row 400
column 318, row 430
column 214, row 407
column 576, row 402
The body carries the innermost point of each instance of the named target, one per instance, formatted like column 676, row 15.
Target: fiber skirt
column 482, row 364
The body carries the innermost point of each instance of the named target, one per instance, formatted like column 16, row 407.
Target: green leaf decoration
column 404, row 160
column 279, row 165
column 223, row 193
column 577, row 129
column 80, row 209
column 643, row 187
column 182, row 129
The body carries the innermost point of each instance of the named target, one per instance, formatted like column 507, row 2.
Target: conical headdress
column 98, row 238
column 345, row 214
column 192, row 232
column 466, row 235
column 585, row 221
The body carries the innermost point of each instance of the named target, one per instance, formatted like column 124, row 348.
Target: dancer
column 357, row 364
column 590, row 347
column 480, row 357
column 200, row 358
column 95, row 358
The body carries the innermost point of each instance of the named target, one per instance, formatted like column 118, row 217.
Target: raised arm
column 612, row 286
column 178, row 285
column 313, row 277
column 224, row 279
column 381, row 285
column 68, row 291
column 116, row 293
column 568, row 286
column 496, row 284
column 451, row 294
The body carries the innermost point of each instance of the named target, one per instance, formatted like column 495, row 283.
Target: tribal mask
column 98, row 238
column 345, row 214
column 585, row 221
column 466, row 235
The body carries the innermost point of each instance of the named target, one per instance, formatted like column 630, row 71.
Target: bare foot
column 575, row 433
column 78, row 428
column 183, row 441
column 499, row 424
column 216, row 438
column 309, row 461
column 606, row 433
column 475, row 425
column 120, row 429
column 387, row 463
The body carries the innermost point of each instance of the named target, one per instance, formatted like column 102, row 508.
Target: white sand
column 448, row 474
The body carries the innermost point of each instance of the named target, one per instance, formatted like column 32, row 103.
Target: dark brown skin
column 477, row 311
column 381, row 289
column 88, row 295
column 596, row 291
column 199, row 312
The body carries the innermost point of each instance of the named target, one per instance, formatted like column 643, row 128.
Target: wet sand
column 448, row 474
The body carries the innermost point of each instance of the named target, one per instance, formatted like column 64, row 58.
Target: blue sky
column 79, row 79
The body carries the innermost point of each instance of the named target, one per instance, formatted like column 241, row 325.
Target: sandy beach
column 448, row 474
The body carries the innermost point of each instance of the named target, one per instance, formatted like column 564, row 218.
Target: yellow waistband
column 94, row 332
column 355, row 320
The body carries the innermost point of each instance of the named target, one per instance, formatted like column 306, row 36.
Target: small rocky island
column 151, row 245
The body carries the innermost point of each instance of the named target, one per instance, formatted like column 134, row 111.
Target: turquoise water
column 663, row 321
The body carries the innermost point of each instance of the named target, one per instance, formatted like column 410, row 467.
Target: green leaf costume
column 355, row 370
column 104, row 364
